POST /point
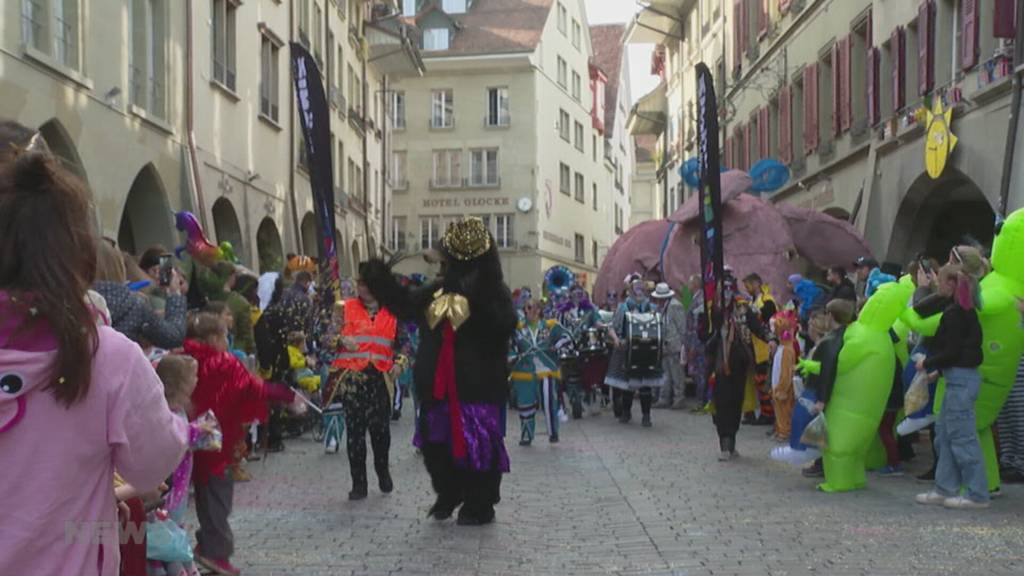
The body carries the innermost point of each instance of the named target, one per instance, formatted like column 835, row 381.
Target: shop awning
column 658, row 21
column 649, row 114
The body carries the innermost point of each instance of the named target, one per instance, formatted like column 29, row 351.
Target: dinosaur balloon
column 1002, row 336
column 864, row 377
column 198, row 247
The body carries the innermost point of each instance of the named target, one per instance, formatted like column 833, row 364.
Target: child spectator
column 236, row 397
column 302, row 376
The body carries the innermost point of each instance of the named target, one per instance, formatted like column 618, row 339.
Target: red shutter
column 1006, row 19
column 925, row 47
column 762, row 17
column 897, row 48
column 764, row 126
column 746, row 146
column 845, row 50
column 728, row 154
column 737, row 143
column 785, row 126
column 969, row 33
column 744, row 19
column 874, row 114
column 810, row 108
column 737, row 36
column 783, row 6
column 837, row 88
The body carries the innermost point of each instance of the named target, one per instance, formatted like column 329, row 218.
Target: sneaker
column 964, row 503
column 358, row 493
column 930, row 498
column 221, row 567
column 815, row 470
column 911, row 425
column 890, row 471
column 553, row 439
column 724, row 456
column 525, row 442
column 332, row 446
column 997, row 493
column 795, row 457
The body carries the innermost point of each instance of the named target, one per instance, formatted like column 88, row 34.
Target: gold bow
column 454, row 307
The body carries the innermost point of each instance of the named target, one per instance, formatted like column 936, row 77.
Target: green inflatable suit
column 1003, row 338
column 864, row 379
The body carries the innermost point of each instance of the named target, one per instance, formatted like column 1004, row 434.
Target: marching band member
column 624, row 382
column 535, row 371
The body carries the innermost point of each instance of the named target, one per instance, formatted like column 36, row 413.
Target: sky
column 609, row 11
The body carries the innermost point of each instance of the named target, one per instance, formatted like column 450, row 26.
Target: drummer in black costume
column 641, row 379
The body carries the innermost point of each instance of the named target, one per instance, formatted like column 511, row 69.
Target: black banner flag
column 710, row 199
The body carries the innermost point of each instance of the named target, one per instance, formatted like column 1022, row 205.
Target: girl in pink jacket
column 76, row 401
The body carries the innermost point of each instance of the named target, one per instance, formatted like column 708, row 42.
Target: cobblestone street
column 615, row 499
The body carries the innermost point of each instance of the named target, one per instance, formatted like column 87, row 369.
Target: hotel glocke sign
column 469, row 202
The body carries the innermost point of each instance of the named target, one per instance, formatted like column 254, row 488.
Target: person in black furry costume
column 466, row 319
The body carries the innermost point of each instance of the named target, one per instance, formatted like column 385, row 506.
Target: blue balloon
column 690, row 172
column 768, row 175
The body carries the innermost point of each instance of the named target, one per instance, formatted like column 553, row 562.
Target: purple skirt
column 482, row 427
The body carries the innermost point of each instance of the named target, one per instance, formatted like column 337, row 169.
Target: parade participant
column 956, row 353
column 77, row 401
column 807, row 294
column 734, row 356
column 1011, row 425
column 226, row 388
column 577, row 315
column 367, row 354
column 673, row 317
column 535, row 372
column 467, row 320
column 626, row 383
column 763, row 304
column 862, row 268
column 696, row 359
column 785, row 326
column 842, row 287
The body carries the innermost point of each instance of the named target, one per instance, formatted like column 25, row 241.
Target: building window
column 593, row 146
column 503, row 236
column 563, row 73
column 826, row 110
column 797, row 114
column 53, row 27
column 564, row 178
column 563, row 125
column 580, row 249
column 442, row 110
column 430, row 232
column 398, row 164
column 577, row 90
column 303, row 7
column 593, row 252
column 398, row 234
column 447, row 168
column 577, row 34
column 398, row 110
column 578, row 136
column 594, row 185
column 483, row 167
column 409, row 8
column 148, row 56
column 452, row 6
column 497, row 107
column 66, row 32
column 318, row 32
column 269, row 78
column 435, row 39
column 563, row 17
column 339, row 176
column 224, row 42
column 580, row 194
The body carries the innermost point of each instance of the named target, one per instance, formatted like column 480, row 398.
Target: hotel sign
column 467, row 202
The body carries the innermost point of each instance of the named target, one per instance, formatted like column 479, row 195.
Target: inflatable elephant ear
column 885, row 306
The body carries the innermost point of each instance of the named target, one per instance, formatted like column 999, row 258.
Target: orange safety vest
column 375, row 337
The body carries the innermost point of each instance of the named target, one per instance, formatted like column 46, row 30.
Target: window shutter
column 746, row 146
column 762, row 17
column 899, row 61
column 846, row 83
column 969, row 33
column 737, row 36
column 810, row 108
column 873, row 80
column 1005, row 25
column 925, row 47
column 764, row 125
column 728, row 153
column 783, row 6
column 785, row 126
column 837, row 88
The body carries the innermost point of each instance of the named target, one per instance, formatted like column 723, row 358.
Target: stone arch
column 269, row 247
column 937, row 214
column 310, row 245
column 146, row 218
column 226, row 227
column 63, row 147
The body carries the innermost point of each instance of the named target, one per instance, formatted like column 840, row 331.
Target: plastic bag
column 917, row 396
column 816, row 433
column 167, row 542
column 211, row 437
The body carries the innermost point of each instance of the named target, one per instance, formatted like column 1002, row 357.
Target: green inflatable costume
column 1003, row 338
column 864, row 379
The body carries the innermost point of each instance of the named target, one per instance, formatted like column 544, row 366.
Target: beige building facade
column 837, row 91
column 509, row 125
column 164, row 106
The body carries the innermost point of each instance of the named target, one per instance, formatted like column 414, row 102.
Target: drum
column 569, row 361
column 593, row 342
column 643, row 339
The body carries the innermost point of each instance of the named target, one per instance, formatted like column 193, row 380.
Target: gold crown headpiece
column 467, row 239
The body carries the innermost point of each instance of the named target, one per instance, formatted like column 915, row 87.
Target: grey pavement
column 615, row 499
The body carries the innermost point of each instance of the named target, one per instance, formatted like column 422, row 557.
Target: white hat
column 662, row 291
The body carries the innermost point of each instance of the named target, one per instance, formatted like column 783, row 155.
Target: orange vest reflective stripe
column 375, row 338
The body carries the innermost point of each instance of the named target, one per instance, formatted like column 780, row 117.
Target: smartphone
column 165, row 270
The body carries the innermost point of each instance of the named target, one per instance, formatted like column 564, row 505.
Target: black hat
column 865, row 262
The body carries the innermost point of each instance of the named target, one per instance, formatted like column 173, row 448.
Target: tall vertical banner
column 710, row 201
column 315, row 119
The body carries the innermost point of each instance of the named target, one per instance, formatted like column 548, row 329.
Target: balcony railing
column 499, row 121
column 442, row 123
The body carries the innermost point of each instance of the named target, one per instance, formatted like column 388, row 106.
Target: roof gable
column 606, row 40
